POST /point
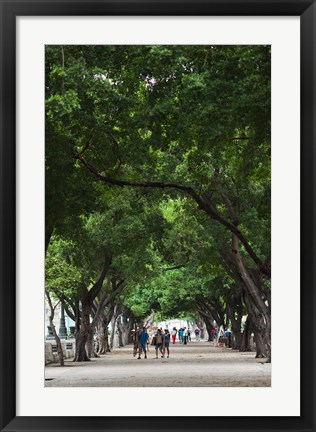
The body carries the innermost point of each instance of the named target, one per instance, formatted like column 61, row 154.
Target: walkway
column 198, row 364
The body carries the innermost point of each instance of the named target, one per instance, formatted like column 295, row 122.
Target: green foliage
column 62, row 277
column 196, row 115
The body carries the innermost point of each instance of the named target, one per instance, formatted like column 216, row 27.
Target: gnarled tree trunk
column 57, row 338
column 90, row 345
column 102, row 337
column 259, row 312
column 103, row 333
column 234, row 315
column 82, row 336
column 120, row 332
column 128, row 322
column 209, row 325
column 261, row 330
column 116, row 313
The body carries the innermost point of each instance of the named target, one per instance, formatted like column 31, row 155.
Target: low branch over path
column 204, row 203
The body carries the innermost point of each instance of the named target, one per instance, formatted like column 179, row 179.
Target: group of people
column 217, row 332
column 184, row 334
column 160, row 340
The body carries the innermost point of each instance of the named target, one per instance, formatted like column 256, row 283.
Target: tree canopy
column 158, row 157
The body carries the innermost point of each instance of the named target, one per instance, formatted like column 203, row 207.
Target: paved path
column 198, row 364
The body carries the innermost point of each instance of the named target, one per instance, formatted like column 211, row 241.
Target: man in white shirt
column 185, row 336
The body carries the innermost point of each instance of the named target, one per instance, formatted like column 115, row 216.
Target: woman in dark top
column 160, row 343
column 167, row 342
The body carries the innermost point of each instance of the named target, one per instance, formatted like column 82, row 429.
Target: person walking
column 174, row 335
column 135, row 334
column 228, row 334
column 181, row 335
column 189, row 335
column 185, row 336
column 159, row 343
column 197, row 334
column 215, row 336
column 167, row 342
column 143, row 337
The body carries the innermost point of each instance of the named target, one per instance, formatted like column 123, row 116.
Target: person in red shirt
column 174, row 335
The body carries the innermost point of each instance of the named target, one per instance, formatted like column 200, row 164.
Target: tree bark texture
column 57, row 338
column 90, row 344
column 120, row 332
column 234, row 315
column 116, row 313
column 102, row 329
column 259, row 312
column 82, row 338
column 209, row 325
column 102, row 337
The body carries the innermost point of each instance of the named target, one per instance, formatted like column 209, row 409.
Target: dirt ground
column 198, row 364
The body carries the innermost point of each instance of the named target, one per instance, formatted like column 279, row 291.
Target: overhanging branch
column 204, row 203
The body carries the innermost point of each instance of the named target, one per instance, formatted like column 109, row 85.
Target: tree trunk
column 149, row 321
column 128, row 322
column 234, row 315
column 81, row 339
column 261, row 330
column 101, row 337
column 106, row 338
column 245, row 337
column 59, row 346
column 102, row 326
column 90, row 345
column 77, row 316
column 236, row 339
column 48, row 234
column 114, row 320
column 120, row 332
column 57, row 338
column 259, row 312
column 209, row 327
column 113, row 327
column 84, row 338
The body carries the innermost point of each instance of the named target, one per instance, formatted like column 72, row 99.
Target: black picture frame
column 9, row 11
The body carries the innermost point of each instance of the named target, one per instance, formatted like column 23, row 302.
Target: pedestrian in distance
column 185, row 336
column 189, row 334
column 215, row 336
column 167, row 342
column 228, row 334
column 135, row 334
column 181, row 335
column 143, row 337
column 159, row 343
column 174, row 335
column 197, row 334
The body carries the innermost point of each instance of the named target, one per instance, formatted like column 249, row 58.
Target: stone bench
column 51, row 354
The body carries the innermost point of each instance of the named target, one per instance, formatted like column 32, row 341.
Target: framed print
column 157, row 185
